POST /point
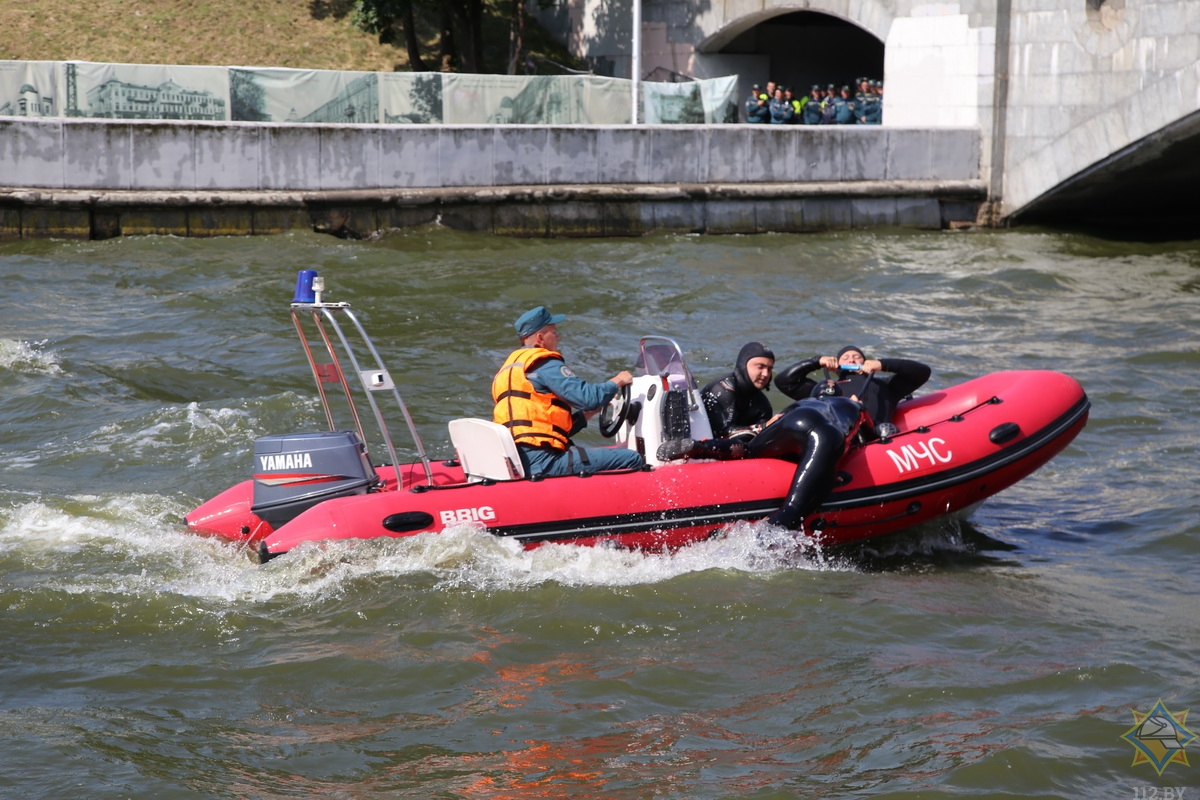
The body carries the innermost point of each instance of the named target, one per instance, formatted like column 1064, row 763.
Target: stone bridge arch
column 723, row 25
column 934, row 59
column 1116, row 145
column 797, row 44
column 1144, row 185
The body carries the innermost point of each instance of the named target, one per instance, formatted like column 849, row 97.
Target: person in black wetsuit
column 813, row 432
column 736, row 404
column 856, row 377
column 816, row 432
column 737, row 408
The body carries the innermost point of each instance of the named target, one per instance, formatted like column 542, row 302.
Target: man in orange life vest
column 542, row 403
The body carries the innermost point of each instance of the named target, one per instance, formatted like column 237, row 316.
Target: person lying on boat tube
column 813, row 432
column 856, row 376
column 543, row 404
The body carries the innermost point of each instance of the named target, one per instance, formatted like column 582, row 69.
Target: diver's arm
column 794, row 382
column 719, row 405
column 907, row 375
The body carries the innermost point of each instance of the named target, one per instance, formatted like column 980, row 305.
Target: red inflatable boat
column 956, row 447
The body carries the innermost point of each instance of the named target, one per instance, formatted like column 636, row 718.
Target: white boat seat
column 486, row 450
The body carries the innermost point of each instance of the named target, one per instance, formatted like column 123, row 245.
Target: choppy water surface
column 1003, row 657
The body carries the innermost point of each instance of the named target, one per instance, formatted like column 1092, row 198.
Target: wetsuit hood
column 749, row 351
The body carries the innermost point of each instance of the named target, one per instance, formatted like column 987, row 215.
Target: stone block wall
column 1089, row 79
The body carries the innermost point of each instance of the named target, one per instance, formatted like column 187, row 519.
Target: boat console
column 664, row 400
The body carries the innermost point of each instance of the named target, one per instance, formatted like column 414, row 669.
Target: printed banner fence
column 171, row 92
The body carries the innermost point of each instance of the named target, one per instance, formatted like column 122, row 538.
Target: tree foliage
column 456, row 25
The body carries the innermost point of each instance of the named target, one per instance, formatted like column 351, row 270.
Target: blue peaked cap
column 535, row 319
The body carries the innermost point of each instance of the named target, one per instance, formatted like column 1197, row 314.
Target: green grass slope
column 301, row 34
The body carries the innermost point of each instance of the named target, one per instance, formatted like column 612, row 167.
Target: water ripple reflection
column 998, row 656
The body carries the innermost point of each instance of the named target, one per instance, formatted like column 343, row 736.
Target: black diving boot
column 672, row 449
column 719, row 449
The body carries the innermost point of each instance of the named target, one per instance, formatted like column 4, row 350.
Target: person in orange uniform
column 543, row 404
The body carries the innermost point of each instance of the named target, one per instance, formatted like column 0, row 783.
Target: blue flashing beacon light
column 304, row 286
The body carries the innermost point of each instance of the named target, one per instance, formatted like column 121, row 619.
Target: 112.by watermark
column 1158, row 793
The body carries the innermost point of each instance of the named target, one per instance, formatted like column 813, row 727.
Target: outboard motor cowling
column 293, row 472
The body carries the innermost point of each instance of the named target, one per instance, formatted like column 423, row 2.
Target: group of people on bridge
column 778, row 105
column 544, row 404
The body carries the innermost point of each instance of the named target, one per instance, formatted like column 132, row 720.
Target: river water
column 1000, row 657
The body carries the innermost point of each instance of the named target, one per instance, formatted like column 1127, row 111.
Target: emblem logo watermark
column 1159, row 737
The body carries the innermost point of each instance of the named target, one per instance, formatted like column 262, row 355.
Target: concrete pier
column 602, row 210
column 97, row 179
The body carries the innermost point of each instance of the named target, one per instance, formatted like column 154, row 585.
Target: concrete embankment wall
column 101, row 178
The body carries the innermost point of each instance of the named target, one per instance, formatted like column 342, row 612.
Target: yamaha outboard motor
column 293, row 472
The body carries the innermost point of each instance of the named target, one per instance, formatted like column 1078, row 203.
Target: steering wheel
column 614, row 413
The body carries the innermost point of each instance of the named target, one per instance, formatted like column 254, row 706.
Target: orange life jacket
column 533, row 417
